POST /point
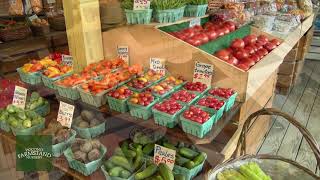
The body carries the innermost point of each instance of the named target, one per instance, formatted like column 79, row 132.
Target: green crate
column 85, row 169
column 91, row 132
column 49, row 82
column 169, row 15
column 58, row 149
column 230, row 102
column 29, row 131
column 198, row 93
column 43, row 110
column 119, row 105
column 167, row 120
column 218, row 113
column 96, row 100
column 138, row 16
column 142, row 112
column 196, row 129
column 68, row 92
column 191, row 102
column 4, row 126
column 195, row 10
column 188, row 173
column 30, row 78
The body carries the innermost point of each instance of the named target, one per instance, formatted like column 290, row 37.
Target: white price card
column 164, row 155
column 65, row 114
column 67, row 60
column 195, row 21
column 203, row 73
column 33, row 17
column 123, row 53
column 20, row 97
column 158, row 65
column 141, row 4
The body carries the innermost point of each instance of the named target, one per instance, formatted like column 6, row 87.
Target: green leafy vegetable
column 197, row 2
column 127, row 4
column 167, row 4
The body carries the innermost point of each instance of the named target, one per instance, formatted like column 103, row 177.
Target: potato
column 95, row 144
column 80, row 156
column 94, row 122
column 93, row 155
column 86, row 147
column 83, row 124
column 87, row 115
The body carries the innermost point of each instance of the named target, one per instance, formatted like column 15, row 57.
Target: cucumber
column 170, row 146
column 179, row 177
column 126, row 151
column 148, row 172
column 180, row 161
column 108, row 165
column 188, row 153
column 125, row 174
column 138, row 160
column 115, row 171
column 148, row 149
column 118, row 151
column 156, row 177
column 122, row 162
column 165, row 172
column 199, row 159
column 189, row 165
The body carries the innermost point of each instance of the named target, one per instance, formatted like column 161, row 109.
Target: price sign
column 164, row 155
column 195, row 21
column 19, row 97
column 203, row 73
column 67, row 60
column 158, row 65
column 65, row 114
column 141, row 4
column 33, row 17
column 123, row 53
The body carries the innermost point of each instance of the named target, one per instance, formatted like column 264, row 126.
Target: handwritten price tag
column 65, row 114
column 203, row 73
column 19, row 97
column 164, row 155
column 158, row 65
column 123, row 53
column 67, row 60
column 141, row 4
column 195, row 21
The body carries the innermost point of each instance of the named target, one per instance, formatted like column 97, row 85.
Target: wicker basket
column 40, row 30
column 57, row 23
column 271, row 163
column 15, row 34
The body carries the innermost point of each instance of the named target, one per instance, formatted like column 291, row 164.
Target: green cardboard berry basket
column 4, row 126
column 106, row 174
column 199, row 93
column 195, row 10
column 142, row 112
column 28, row 131
column 230, row 102
column 165, row 119
column 163, row 95
column 189, row 173
column 85, row 169
column 68, row 92
column 197, row 129
column 49, row 82
column 58, row 149
column 91, row 132
column 119, row 105
column 191, row 102
column 124, row 82
column 138, row 16
column 178, row 87
column 43, row 110
column 30, row 78
column 169, row 15
column 96, row 100
column 218, row 113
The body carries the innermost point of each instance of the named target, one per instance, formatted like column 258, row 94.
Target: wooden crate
column 147, row 41
column 287, row 68
column 304, row 44
column 291, row 56
column 284, row 80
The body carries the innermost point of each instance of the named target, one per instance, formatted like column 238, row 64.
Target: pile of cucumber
column 160, row 172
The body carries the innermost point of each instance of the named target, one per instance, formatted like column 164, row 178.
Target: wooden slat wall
column 4, row 5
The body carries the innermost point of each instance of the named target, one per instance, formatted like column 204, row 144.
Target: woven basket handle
column 271, row 111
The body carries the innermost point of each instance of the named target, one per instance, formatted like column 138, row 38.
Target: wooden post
column 83, row 31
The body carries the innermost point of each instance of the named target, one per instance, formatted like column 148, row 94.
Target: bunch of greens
column 197, row 2
column 127, row 4
column 35, row 101
column 167, row 4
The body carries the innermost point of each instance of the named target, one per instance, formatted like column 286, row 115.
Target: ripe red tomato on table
column 237, row 44
column 223, row 54
column 230, row 25
column 250, row 39
column 275, row 41
column 243, row 66
column 241, row 54
column 270, row 46
column 211, row 34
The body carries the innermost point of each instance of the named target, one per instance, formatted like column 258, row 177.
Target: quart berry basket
column 91, row 132
column 196, row 129
column 43, row 110
column 96, row 100
column 169, row 15
column 195, row 10
column 197, row 92
column 189, row 173
column 58, row 149
column 49, row 82
column 138, row 16
column 68, row 92
column 228, row 102
column 119, row 105
column 30, row 78
column 165, row 119
column 28, row 131
column 218, row 113
column 142, row 112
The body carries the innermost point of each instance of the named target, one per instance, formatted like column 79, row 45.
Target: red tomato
column 262, row 43
column 226, row 30
column 249, row 49
column 242, row 66
column 223, row 54
column 259, row 54
column 264, row 51
column 188, row 32
column 220, row 32
column 255, row 58
column 211, row 34
column 197, row 28
column 270, row 46
column 250, row 39
column 181, row 36
column 202, row 37
column 275, row 41
column 229, row 50
column 263, row 38
column 208, row 25
column 233, row 60
column 250, row 62
column 194, row 42
column 237, row 44
column 241, row 54
column 258, row 46
column 230, row 25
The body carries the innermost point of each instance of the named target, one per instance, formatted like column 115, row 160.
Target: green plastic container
column 178, row 87
column 92, row 132
column 4, row 126
column 230, row 102
column 142, row 112
column 218, row 113
column 191, row 102
column 85, row 169
column 124, row 82
column 195, row 10
column 43, row 110
column 119, row 105
column 163, row 95
column 188, row 173
column 29, row 131
column 118, row 178
column 96, row 100
column 138, row 16
column 49, row 82
column 198, row 93
column 167, row 120
column 196, row 129
column 169, row 15
column 57, row 149
column 30, row 78
column 68, row 92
